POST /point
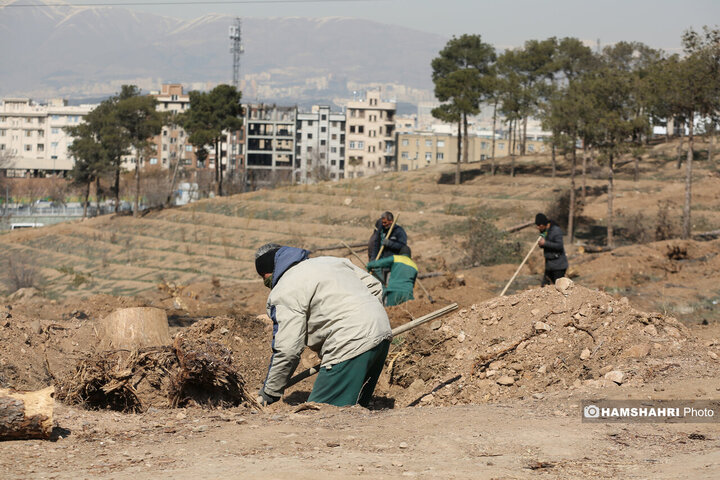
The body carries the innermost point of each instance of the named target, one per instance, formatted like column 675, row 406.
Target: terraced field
column 215, row 239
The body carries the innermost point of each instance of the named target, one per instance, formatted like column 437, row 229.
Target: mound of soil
column 539, row 341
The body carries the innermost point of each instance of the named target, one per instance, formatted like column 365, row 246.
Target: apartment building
column 320, row 145
column 172, row 144
column 33, row 138
column 425, row 148
column 370, row 136
column 269, row 144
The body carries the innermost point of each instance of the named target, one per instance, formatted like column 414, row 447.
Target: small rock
column 538, row 396
column 609, row 309
column 490, row 373
column 542, row 327
column 403, row 445
column 461, row 337
column 348, row 201
column 638, row 351
column 616, row 376
column 534, row 312
column 650, row 330
column 563, row 285
column 605, row 369
column 181, row 416
column 36, row 327
column 713, row 355
column 624, row 301
column 436, row 324
column 585, row 354
column 397, row 464
column 497, row 365
column 542, row 369
column 201, row 428
column 505, row 380
column 672, row 331
column 224, row 331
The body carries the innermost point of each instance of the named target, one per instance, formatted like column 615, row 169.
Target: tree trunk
column 711, row 140
column 168, row 202
column 524, row 138
column 117, row 188
column 132, row 328
column 87, row 199
column 217, row 167
column 636, row 175
column 466, row 150
column 610, row 240
column 571, row 213
column 513, row 136
column 136, row 211
column 584, row 171
column 459, row 153
column 25, row 415
column 687, row 225
column 97, row 194
column 554, row 160
column 492, row 160
column 679, row 149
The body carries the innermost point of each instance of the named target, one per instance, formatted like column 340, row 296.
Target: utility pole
column 236, row 48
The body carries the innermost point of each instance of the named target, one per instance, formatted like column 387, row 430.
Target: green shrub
column 486, row 245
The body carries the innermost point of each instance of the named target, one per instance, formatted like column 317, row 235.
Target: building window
column 28, row 133
column 188, row 148
column 322, row 142
column 352, row 146
column 333, row 136
column 28, row 148
column 55, row 131
column 441, row 143
column 403, row 167
column 440, row 156
column 2, row 133
column 360, row 129
column 501, row 146
column 428, row 156
column 428, row 143
column 360, row 145
column 333, row 149
column 323, row 129
column 531, row 147
column 352, row 128
column 309, row 135
column 404, row 155
column 40, row 147
column 153, row 161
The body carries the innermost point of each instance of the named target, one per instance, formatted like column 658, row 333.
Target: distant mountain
column 91, row 51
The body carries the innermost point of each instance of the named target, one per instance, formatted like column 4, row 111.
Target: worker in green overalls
column 401, row 282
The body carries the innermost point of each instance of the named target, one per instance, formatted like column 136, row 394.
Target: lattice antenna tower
column 236, row 48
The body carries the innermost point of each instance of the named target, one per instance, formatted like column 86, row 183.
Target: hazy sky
column 659, row 23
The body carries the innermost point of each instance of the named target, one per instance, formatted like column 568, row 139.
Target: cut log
column 134, row 328
column 26, row 415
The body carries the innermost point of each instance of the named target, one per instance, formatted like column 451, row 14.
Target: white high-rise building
column 320, row 145
column 33, row 137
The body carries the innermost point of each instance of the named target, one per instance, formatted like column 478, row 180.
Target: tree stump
column 134, row 328
column 26, row 415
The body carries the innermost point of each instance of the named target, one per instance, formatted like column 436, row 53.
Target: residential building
column 320, row 145
column 33, row 137
column 270, row 144
column 425, row 148
column 370, row 136
column 172, row 144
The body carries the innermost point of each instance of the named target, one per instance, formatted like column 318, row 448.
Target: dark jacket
column 398, row 238
column 554, row 251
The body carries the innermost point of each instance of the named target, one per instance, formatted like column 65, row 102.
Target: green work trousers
column 352, row 381
column 396, row 298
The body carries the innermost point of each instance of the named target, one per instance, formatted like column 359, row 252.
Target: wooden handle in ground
column 521, row 265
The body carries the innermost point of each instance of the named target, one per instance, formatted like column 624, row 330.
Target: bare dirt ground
column 492, row 390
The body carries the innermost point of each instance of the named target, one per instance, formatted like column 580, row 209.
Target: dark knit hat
column 265, row 258
column 405, row 250
column 541, row 219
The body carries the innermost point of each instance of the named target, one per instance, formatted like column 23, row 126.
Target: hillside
column 214, row 240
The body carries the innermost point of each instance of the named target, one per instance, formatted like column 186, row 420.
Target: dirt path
column 508, row 440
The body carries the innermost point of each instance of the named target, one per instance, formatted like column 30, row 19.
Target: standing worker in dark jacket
column 401, row 282
column 551, row 241
column 393, row 243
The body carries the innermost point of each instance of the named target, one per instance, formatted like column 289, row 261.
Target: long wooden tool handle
column 362, row 264
column 521, row 265
column 382, row 247
column 396, row 331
